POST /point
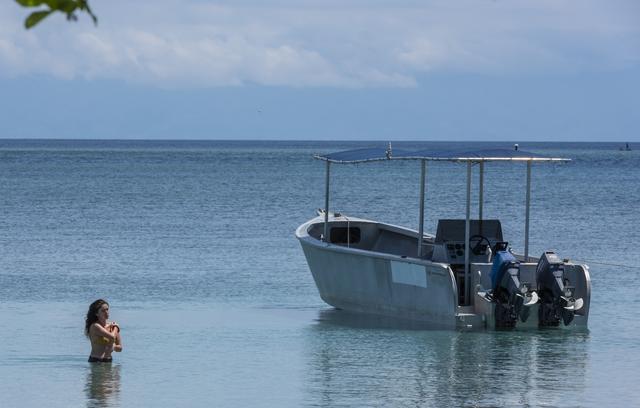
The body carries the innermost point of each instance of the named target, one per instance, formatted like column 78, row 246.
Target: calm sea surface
column 192, row 243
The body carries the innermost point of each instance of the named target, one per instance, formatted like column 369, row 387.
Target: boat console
column 449, row 245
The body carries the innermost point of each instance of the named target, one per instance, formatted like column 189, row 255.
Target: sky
column 543, row 70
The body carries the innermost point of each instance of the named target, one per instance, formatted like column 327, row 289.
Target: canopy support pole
column 423, row 172
column 326, row 203
column 481, row 191
column 526, row 218
column 467, row 233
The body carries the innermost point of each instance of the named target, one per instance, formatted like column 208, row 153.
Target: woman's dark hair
column 92, row 314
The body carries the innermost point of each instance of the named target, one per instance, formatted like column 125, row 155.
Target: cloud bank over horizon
column 355, row 44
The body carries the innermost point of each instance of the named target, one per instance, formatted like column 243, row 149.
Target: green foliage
column 68, row 7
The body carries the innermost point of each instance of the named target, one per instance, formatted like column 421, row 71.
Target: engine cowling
column 508, row 293
column 557, row 302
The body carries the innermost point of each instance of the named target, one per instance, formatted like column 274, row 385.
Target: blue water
column 192, row 243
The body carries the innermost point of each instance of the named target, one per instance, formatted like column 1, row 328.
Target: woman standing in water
column 103, row 335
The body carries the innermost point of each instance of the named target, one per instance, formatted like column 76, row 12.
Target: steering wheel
column 475, row 243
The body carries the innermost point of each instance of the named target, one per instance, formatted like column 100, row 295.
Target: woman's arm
column 114, row 328
column 97, row 330
column 117, row 347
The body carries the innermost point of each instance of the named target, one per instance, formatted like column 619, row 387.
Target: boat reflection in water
column 103, row 385
column 363, row 360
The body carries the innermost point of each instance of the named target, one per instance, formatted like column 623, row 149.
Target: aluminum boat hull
column 405, row 287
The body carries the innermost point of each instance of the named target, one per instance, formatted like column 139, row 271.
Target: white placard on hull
column 409, row 274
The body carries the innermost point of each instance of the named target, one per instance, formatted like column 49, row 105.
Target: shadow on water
column 366, row 360
column 103, row 385
column 344, row 318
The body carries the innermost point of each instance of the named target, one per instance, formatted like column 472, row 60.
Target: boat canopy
column 387, row 153
column 469, row 157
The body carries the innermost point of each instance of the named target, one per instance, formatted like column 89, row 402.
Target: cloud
column 312, row 43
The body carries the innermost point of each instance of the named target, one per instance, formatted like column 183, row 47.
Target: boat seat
column 390, row 242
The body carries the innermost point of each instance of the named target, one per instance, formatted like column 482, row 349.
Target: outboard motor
column 556, row 297
column 511, row 297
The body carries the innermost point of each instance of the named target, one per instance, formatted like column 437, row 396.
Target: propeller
column 530, row 298
column 573, row 304
column 485, row 295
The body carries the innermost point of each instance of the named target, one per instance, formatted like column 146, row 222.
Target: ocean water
column 193, row 245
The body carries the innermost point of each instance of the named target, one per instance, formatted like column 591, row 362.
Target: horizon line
column 3, row 139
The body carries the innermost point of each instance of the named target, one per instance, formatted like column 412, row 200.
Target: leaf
column 53, row 4
column 30, row 3
column 88, row 10
column 35, row 18
column 67, row 6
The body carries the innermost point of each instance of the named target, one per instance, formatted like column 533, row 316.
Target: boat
column 464, row 276
column 626, row 148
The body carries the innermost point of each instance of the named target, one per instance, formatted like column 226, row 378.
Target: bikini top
column 103, row 340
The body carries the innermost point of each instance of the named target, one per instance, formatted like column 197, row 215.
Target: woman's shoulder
column 94, row 326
